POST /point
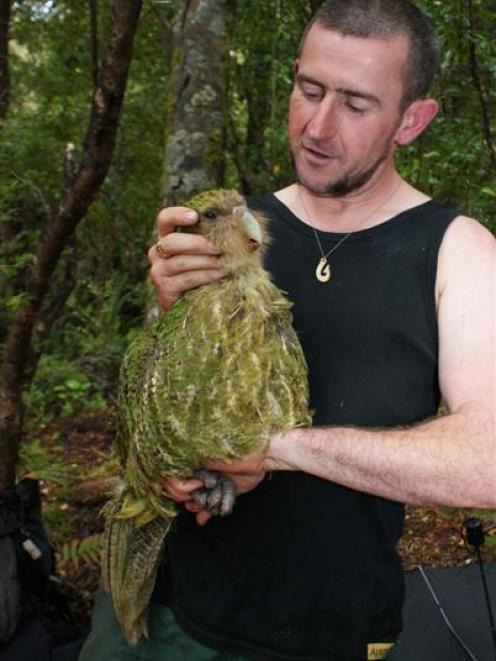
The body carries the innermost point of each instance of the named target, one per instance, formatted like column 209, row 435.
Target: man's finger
column 177, row 264
column 203, row 517
column 174, row 276
column 193, row 506
column 171, row 217
column 187, row 263
column 172, row 287
column 180, row 490
column 173, row 245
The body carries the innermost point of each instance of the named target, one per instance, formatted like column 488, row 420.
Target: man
column 394, row 304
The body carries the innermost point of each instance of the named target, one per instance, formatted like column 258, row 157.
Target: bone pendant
column 323, row 271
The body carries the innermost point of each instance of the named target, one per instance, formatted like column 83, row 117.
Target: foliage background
column 104, row 270
column 50, row 58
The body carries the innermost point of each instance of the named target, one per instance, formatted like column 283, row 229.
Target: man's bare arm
column 447, row 461
column 450, row 460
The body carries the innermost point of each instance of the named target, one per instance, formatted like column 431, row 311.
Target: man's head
column 387, row 19
column 359, row 91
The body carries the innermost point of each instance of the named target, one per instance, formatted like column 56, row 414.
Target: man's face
column 345, row 109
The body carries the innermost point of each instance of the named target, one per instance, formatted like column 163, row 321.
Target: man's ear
column 416, row 118
column 296, row 66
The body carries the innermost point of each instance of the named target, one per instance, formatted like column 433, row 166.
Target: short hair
column 386, row 19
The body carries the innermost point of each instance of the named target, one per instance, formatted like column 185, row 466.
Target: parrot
column 211, row 380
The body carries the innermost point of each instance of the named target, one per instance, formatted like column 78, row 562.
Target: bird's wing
column 138, row 362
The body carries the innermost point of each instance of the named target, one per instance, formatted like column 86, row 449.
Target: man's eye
column 355, row 109
column 311, row 92
column 211, row 215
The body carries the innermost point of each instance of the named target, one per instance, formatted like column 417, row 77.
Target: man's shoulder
column 468, row 248
column 468, row 234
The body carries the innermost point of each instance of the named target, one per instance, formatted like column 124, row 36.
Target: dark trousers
column 166, row 642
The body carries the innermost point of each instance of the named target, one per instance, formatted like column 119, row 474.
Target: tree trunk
column 93, row 7
column 479, row 86
column 255, row 82
column 194, row 146
column 5, row 7
column 59, row 228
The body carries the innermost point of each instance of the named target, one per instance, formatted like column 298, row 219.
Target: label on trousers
column 378, row 650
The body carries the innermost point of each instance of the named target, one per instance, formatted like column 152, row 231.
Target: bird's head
column 224, row 219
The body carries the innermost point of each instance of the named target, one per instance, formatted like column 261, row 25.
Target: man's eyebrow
column 303, row 78
column 360, row 95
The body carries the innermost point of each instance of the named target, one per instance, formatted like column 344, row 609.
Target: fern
column 76, row 551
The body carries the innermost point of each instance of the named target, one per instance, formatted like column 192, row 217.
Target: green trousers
column 167, row 642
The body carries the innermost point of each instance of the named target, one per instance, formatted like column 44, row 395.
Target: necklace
column 323, row 270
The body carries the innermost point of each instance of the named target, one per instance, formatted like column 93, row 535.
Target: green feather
column 211, row 380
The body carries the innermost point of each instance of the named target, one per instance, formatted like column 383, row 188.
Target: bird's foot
column 219, row 493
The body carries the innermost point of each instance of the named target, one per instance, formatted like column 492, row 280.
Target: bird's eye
column 211, row 215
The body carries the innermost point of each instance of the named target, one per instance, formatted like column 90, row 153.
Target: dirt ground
column 432, row 537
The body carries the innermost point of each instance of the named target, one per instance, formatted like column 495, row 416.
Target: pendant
column 323, row 270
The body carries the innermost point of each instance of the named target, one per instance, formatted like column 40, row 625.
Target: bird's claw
column 209, row 478
column 219, row 493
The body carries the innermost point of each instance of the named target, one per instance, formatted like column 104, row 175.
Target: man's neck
column 359, row 210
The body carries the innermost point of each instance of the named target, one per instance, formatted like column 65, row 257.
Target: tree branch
column 479, row 86
column 98, row 149
column 93, row 7
column 165, row 23
column 194, row 155
column 5, row 9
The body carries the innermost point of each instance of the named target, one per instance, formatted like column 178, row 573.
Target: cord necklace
column 323, row 269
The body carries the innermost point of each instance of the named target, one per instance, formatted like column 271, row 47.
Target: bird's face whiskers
column 228, row 225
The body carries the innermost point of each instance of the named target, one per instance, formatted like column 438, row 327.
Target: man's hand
column 185, row 260
column 246, row 474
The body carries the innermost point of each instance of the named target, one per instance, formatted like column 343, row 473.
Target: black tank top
column 305, row 569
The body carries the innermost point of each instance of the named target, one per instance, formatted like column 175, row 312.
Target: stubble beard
column 349, row 181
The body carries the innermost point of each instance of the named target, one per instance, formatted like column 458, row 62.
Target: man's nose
column 323, row 123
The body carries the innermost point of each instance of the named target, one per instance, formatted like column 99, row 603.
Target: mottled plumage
column 211, row 380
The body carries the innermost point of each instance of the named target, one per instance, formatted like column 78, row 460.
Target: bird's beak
column 251, row 225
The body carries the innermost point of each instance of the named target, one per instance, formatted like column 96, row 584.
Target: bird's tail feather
column 133, row 547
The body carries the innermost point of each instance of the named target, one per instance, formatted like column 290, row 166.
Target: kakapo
column 211, row 380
